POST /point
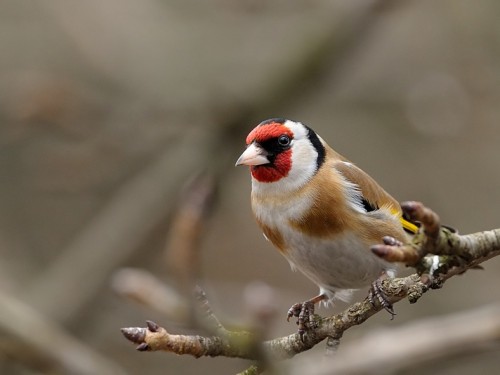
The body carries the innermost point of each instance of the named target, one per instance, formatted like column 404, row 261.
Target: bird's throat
column 275, row 171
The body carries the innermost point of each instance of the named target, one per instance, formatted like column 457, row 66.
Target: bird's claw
column 294, row 310
column 305, row 313
column 376, row 294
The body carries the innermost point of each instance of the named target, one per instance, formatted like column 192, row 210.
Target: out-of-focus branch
column 182, row 249
column 143, row 287
column 181, row 253
column 37, row 338
column 480, row 247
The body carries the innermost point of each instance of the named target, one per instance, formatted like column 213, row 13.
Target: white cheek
column 304, row 165
column 303, row 168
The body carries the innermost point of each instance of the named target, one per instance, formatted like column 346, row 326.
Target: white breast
column 336, row 266
column 345, row 263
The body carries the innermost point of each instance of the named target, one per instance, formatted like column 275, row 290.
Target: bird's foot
column 304, row 312
column 376, row 294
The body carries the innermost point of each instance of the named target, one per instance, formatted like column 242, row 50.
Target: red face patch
column 282, row 162
column 272, row 173
column 265, row 132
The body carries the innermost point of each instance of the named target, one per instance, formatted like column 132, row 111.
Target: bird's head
column 280, row 150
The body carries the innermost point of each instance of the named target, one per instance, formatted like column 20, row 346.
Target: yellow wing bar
column 407, row 225
column 410, row 227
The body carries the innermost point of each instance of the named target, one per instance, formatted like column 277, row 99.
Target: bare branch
column 428, row 339
column 438, row 240
column 280, row 348
column 155, row 338
column 462, row 253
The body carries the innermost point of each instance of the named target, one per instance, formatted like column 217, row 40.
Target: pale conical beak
column 253, row 155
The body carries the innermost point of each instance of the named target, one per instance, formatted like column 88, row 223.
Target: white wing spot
column 352, row 192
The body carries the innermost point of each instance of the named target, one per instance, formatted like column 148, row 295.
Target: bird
column 322, row 213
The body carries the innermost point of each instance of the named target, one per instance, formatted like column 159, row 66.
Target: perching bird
column 321, row 211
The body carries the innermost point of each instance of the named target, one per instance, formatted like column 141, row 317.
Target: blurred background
column 120, row 122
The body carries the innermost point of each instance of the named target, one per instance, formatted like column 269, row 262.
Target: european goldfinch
column 320, row 211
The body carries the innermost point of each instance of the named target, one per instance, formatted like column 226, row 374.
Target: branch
column 235, row 343
column 155, row 338
column 460, row 254
column 425, row 340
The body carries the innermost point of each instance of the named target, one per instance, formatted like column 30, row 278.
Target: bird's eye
column 284, row 140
